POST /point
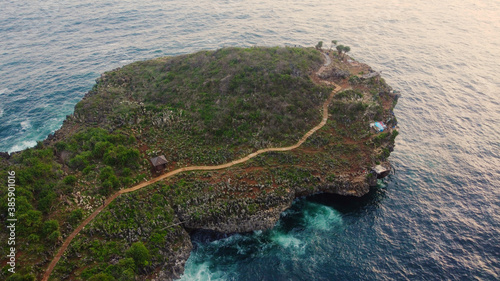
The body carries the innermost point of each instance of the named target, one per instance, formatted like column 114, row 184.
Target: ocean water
column 436, row 218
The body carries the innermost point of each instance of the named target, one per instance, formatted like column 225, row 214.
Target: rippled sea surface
column 436, row 218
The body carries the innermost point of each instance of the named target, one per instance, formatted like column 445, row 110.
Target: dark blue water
column 437, row 218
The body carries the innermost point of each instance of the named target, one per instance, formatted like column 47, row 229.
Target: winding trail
column 77, row 230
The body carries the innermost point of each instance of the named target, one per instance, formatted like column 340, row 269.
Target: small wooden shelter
column 159, row 163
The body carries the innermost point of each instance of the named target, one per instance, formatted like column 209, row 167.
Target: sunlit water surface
column 437, row 218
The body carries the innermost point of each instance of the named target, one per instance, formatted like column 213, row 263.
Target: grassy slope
column 233, row 99
column 204, row 108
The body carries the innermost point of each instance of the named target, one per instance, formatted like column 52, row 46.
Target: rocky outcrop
column 5, row 155
column 238, row 217
column 242, row 220
column 221, row 225
column 174, row 268
column 235, row 208
column 334, row 73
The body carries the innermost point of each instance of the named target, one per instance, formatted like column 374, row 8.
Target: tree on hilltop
column 340, row 48
column 319, row 45
column 347, row 49
column 343, row 49
column 334, row 43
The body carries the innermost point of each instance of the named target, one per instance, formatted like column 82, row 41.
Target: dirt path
column 327, row 62
column 77, row 230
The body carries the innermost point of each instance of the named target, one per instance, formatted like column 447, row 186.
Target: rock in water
column 382, row 171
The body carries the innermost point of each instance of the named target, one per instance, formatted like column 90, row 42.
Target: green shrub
column 126, row 181
column 61, row 146
column 331, row 177
column 106, row 172
column 20, row 277
column 75, row 216
column 139, row 253
column 100, row 149
column 78, row 162
column 49, row 227
column 127, row 264
column 126, row 172
column 22, row 204
column 46, row 202
column 349, row 94
column 54, row 236
column 87, row 169
column 354, row 80
column 33, row 238
column 380, row 138
column 102, row 277
column 121, row 156
column 107, row 188
column 29, row 222
column 394, row 134
column 127, row 274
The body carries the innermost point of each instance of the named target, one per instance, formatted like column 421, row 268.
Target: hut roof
column 160, row 160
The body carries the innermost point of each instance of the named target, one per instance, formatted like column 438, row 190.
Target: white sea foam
column 201, row 272
column 322, row 217
column 22, row 145
column 25, row 125
column 258, row 232
column 241, row 249
column 287, row 241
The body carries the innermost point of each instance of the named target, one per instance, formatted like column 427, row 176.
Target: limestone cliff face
column 266, row 217
column 241, row 220
column 271, row 206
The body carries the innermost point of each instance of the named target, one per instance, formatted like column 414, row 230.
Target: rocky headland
column 205, row 109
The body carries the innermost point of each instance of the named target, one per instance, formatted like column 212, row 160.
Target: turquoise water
column 436, row 218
